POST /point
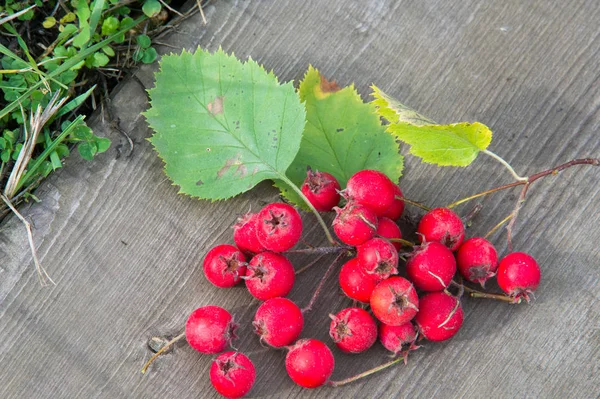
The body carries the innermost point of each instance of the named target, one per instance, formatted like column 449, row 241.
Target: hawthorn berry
column 431, row 266
column 440, row 316
column 279, row 227
column 518, row 275
column 278, row 322
column 354, row 223
column 232, row 374
column 394, row 301
column 210, row 329
column 398, row 339
column 378, row 257
column 442, row 225
column 353, row 330
column 269, row 275
column 477, row 260
column 244, row 234
column 224, row 266
column 397, row 208
column 355, row 283
column 309, row 363
column 321, row 189
column 372, row 189
column 387, row 228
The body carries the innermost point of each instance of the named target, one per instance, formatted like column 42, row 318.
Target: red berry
column 279, row 227
column 244, row 234
column 394, row 301
column 518, row 275
column 353, row 330
column 269, row 275
column 442, row 225
column 278, row 321
column 232, row 374
column 431, row 266
column 398, row 339
column 354, row 223
column 477, row 260
column 378, row 257
column 372, row 189
column 395, row 211
column 355, row 283
column 309, row 363
column 224, row 265
column 321, row 189
column 387, row 228
column 440, row 316
column 210, row 329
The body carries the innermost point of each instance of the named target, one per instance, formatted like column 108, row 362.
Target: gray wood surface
column 126, row 250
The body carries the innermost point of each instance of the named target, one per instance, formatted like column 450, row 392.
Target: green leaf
column 102, row 144
column 5, row 156
column 151, row 7
column 87, row 150
column 144, row 41
column 68, row 18
column 343, row 135
column 149, row 56
column 100, row 60
column 110, row 26
column 222, row 126
column 393, row 111
column 445, row 145
column 82, row 37
column 49, row 22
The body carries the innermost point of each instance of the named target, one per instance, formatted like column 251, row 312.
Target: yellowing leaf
column 393, row 111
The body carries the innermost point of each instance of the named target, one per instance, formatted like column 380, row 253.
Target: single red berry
column 372, row 189
column 279, row 227
column 440, row 316
column 355, row 283
column 278, row 322
column 244, row 234
column 442, row 225
column 210, row 329
column 378, row 257
column 232, row 374
column 518, row 275
column 309, row 363
column 354, row 223
column 394, row 301
column 353, row 330
column 431, row 266
column 321, row 189
column 477, row 260
column 387, row 228
column 224, row 265
column 269, row 275
column 398, row 339
column 395, row 211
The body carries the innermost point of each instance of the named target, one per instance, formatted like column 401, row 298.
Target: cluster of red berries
column 420, row 305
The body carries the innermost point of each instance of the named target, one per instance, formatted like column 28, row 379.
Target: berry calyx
column 394, row 301
column 372, row 189
column 477, row 260
column 278, row 322
column 442, row 225
column 279, row 227
column 244, row 234
column 353, row 330
column 309, row 363
column 518, row 275
column 378, row 257
column 355, row 283
column 321, row 189
column 431, row 266
column 269, row 275
column 440, row 316
column 210, row 329
column 232, row 374
column 224, row 266
column 354, row 223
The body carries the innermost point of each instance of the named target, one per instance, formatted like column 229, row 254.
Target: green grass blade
column 95, row 17
column 74, row 103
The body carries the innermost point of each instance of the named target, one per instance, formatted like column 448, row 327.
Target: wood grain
column 125, row 249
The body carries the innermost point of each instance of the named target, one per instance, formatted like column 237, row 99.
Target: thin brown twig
column 198, row 3
column 308, row 307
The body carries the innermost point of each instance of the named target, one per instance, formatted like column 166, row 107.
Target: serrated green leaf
column 393, row 111
column 445, row 145
column 342, row 136
column 222, row 126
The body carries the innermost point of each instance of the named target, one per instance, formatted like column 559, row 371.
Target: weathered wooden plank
column 125, row 249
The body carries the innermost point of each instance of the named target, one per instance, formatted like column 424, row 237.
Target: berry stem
column 472, row 213
column 320, row 250
column 308, row 307
column 478, row 294
column 496, row 227
column 414, row 203
column 312, row 208
column 311, row 264
column 365, row 374
column 162, row 350
column 506, row 165
column 402, row 241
